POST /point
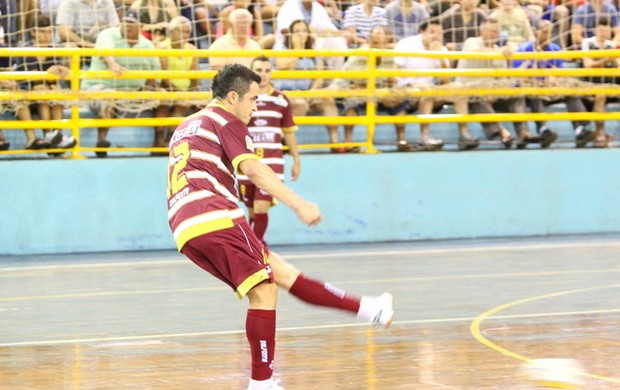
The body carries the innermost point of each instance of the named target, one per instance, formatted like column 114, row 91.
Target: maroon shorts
column 249, row 193
column 233, row 255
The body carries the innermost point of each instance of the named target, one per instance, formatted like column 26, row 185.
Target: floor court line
column 476, row 323
column 365, row 281
column 479, row 248
column 303, row 328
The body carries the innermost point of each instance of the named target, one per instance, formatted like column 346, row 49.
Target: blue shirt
column 528, row 47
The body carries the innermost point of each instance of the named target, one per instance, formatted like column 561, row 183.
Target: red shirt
column 205, row 151
column 273, row 118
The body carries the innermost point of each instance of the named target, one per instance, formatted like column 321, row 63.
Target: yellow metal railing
column 371, row 92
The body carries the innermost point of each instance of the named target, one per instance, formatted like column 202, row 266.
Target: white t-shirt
column 292, row 10
column 414, row 44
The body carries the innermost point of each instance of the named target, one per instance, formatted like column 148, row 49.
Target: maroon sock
column 259, row 225
column 323, row 294
column 260, row 329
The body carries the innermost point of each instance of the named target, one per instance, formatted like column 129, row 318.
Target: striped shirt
column 205, row 151
column 356, row 17
column 273, row 118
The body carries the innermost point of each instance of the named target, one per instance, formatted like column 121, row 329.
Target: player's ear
column 232, row 97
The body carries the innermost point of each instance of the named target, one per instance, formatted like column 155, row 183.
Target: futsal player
column 206, row 150
column 272, row 121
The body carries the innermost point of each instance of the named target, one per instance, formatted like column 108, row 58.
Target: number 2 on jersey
column 176, row 182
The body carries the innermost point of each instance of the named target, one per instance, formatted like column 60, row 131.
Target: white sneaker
column 67, row 142
column 384, row 314
column 53, row 137
column 269, row 384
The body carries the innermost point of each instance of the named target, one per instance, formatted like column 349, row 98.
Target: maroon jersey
column 205, row 151
column 273, row 118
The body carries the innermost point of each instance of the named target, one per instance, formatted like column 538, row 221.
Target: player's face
column 246, row 104
column 263, row 69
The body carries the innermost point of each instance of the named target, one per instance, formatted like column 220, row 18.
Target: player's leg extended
column 374, row 309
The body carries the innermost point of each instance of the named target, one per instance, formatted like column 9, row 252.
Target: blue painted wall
column 61, row 206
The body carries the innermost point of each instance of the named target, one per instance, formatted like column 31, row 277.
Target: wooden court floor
column 468, row 313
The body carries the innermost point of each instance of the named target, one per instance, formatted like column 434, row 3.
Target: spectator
column 360, row 19
column 429, row 39
column 461, row 22
column 237, row 39
column 543, row 43
column 404, row 17
column 48, row 8
column 486, row 42
column 270, row 125
column 266, row 41
column 379, row 39
column 585, row 17
column 154, row 17
column 47, row 110
column 310, row 11
column 79, row 22
column 126, row 36
column 9, row 13
column 514, row 23
column 179, row 32
column 200, row 14
column 298, row 39
column 22, row 110
column 601, row 41
column 559, row 15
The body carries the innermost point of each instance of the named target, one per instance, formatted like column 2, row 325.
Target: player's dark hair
column 603, row 21
column 259, row 59
column 235, row 77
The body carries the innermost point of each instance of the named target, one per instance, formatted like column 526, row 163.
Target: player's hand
column 295, row 170
column 309, row 214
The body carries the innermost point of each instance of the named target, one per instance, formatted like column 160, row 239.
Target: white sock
column 260, row 385
column 368, row 308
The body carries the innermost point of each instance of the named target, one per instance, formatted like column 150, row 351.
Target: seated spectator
column 179, row 32
column 126, row 36
column 266, row 41
column 559, row 15
column 585, row 17
column 487, row 42
column 48, row 8
column 311, row 11
column 79, row 22
column 325, row 26
column 154, row 17
column 299, row 38
column 361, row 19
column 201, row 14
column 461, row 22
column 543, row 43
column 9, row 15
column 429, row 39
column 404, row 17
column 601, row 41
column 236, row 39
column 47, row 110
column 514, row 23
column 379, row 39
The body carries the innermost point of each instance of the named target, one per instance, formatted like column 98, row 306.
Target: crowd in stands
column 502, row 26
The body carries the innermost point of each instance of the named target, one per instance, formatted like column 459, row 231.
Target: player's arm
column 264, row 178
column 291, row 141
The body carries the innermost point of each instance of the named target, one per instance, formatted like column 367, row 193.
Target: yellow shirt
column 179, row 63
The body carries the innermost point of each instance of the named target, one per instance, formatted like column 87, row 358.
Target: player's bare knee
column 263, row 296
